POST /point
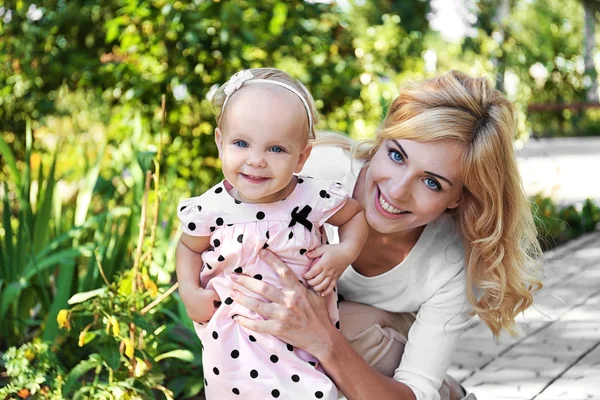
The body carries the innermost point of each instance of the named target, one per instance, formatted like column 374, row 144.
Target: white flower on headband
column 236, row 81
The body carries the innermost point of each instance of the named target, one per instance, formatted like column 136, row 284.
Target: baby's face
column 263, row 140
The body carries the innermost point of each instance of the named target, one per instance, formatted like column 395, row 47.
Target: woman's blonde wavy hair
column 502, row 255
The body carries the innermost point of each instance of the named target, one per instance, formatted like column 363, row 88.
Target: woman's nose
column 399, row 189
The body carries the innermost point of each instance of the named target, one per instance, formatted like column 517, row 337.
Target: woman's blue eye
column 277, row 149
column 395, row 155
column 433, row 184
column 240, row 143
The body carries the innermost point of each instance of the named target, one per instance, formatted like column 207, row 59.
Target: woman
column 451, row 235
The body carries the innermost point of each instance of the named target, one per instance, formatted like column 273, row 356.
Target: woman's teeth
column 388, row 207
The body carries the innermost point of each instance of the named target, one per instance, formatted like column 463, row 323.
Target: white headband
column 245, row 76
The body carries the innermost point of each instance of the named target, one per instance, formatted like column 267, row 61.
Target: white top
column 430, row 281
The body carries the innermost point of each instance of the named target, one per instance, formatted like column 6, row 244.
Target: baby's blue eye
column 277, row 149
column 433, row 184
column 395, row 155
column 240, row 143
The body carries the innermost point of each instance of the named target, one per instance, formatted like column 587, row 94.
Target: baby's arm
column 199, row 302
column 336, row 258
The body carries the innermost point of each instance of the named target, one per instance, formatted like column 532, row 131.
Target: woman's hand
column 296, row 315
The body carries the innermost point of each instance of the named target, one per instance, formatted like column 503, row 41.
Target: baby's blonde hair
column 503, row 255
column 271, row 74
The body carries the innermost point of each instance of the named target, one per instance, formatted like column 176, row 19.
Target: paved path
column 558, row 356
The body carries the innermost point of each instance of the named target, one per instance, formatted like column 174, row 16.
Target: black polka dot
column 267, row 234
column 216, row 370
column 199, row 208
column 205, row 382
column 300, row 180
column 258, row 276
column 275, row 393
column 221, row 259
column 274, row 358
column 215, row 335
column 266, row 245
column 235, row 354
column 182, row 208
column 216, row 243
column 323, row 193
column 192, row 226
column 212, row 228
column 328, row 196
column 295, row 378
column 240, row 238
column 229, row 224
column 253, row 374
column 229, row 301
column 208, row 266
column 237, row 201
column 252, row 338
column 302, row 251
column 260, row 215
column 220, row 221
column 319, row 394
column 237, row 391
column 337, row 324
column 291, row 235
column 218, row 190
column 312, row 363
column 290, row 347
column 334, row 290
column 238, row 270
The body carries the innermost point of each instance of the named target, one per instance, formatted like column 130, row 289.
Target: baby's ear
column 219, row 140
column 303, row 157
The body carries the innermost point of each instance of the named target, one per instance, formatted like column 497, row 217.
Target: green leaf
column 184, row 355
column 10, row 294
column 54, row 259
column 79, row 370
column 83, row 296
column 9, row 159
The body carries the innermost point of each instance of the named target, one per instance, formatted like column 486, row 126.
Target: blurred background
column 106, row 123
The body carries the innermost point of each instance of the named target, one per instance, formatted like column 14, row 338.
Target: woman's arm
column 199, row 302
column 299, row 316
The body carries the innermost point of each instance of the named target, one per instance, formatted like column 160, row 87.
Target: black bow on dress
column 301, row 217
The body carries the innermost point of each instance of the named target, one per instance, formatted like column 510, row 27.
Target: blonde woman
column 450, row 235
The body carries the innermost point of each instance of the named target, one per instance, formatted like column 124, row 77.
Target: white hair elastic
column 245, row 77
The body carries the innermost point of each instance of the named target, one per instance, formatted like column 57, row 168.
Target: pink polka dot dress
column 239, row 363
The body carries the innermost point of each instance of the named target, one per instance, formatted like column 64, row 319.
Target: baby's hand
column 323, row 275
column 201, row 304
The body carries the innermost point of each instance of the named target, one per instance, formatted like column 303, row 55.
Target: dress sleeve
column 193, row 217
column 433, row 338
column 335, row 197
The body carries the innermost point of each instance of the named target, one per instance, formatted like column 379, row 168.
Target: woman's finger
column 259, row 287
column 257, row 325
column 286, row 276
column 260, row 307
column 323, row 285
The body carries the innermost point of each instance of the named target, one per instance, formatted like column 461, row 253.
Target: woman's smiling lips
column 385, row 208
column 253, row 178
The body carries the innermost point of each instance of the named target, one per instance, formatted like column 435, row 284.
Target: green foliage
column 557, row 225
column 34, row 371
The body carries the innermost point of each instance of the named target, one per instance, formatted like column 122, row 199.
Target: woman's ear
column 219, row 140
column 456, row 202
column 303, row 157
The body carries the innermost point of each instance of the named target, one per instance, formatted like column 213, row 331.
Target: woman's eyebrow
column 400, row 148
column 439, row 176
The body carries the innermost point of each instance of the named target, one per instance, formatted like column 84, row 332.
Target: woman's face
column 409, row 184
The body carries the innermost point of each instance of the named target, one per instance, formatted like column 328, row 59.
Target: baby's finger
column 318, row 252
column 315, row 270
column 330, row 288
column 323, row 285
column 317, row 279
